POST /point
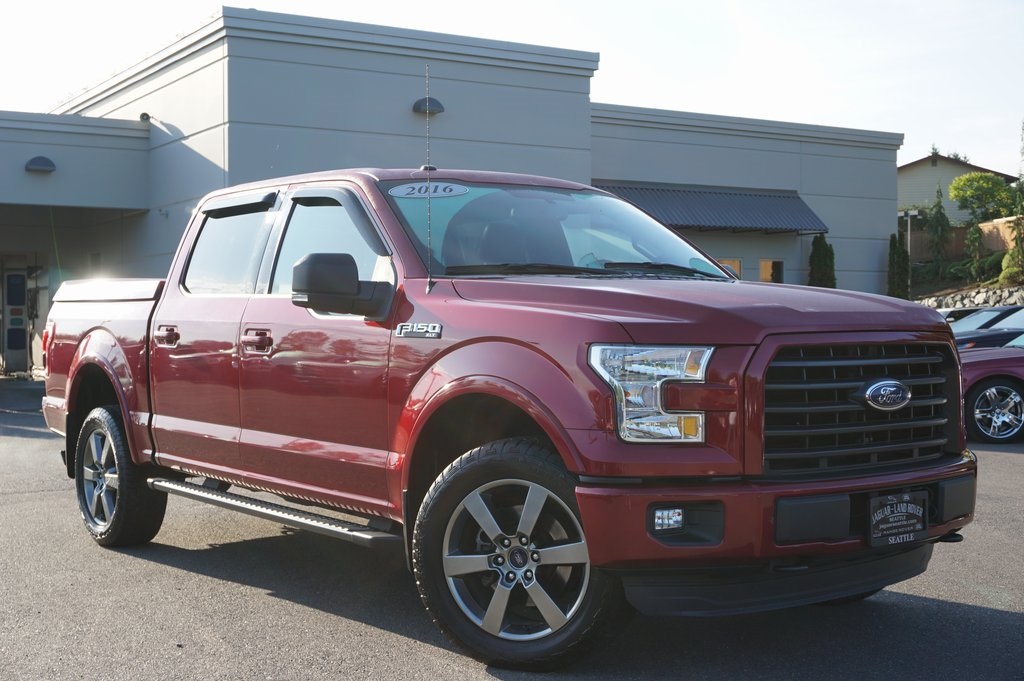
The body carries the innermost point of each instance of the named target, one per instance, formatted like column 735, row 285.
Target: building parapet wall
column 99, row 163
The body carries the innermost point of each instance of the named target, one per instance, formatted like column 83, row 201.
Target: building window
column 735, row 263
column 771, row 270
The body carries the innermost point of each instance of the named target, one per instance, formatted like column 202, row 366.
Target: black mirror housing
column 329, row 282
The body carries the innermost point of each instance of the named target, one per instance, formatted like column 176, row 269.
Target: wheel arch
column 100, row 375
column 997, row 374
column 471, row 412
column 460, row 404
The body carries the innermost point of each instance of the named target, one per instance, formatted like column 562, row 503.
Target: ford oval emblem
column 888, row 395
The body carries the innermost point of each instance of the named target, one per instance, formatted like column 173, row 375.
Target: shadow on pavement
column 20, row 411
column 891, row 636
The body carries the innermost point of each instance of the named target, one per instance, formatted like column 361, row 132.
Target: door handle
column 167, row 336
column 257, row 339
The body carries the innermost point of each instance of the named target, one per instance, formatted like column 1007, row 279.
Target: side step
column 333, row 527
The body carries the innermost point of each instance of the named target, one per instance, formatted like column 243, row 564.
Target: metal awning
column 722, row 208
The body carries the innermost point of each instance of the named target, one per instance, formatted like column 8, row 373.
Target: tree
column 1016, row 254
column 823, row 263
column 954, row 155
column 983, row 194
column 899, row 267
column 975, row 246
column 939, row 231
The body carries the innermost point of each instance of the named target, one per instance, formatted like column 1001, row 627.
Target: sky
column 944, row 73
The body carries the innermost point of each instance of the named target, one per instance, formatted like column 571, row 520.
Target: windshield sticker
column 421, row 190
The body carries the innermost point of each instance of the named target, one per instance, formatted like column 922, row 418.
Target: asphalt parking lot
column 219, row 595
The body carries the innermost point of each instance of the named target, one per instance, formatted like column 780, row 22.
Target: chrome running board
column 286, row 515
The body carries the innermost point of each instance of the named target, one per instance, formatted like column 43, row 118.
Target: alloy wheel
column 516, row 560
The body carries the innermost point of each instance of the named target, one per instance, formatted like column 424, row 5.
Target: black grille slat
column 856, row 362
column 847, row 385
column 861, row 427
column 834, row 408
column 817, row 423
column 874, row 449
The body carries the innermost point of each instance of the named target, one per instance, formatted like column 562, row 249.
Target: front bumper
column 750, row 522
column 773, row 586
column 750, row 546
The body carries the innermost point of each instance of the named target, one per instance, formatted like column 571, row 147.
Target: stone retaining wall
column 981, row 297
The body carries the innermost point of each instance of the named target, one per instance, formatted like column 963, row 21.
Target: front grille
column 814, row 422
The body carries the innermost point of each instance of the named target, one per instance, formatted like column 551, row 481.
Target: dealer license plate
column 899, row 518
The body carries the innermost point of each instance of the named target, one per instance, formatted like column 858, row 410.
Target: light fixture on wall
column 427, row 105
column 40, row 164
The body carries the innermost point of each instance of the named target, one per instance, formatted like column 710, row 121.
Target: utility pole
column 909, row 215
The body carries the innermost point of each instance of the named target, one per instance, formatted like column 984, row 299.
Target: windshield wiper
column 522, row 268
column 662, row 267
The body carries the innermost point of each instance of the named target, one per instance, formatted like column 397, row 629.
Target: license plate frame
column 898, row 519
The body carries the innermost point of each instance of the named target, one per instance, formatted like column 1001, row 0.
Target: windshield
column 1013, row 321
column 974, row 321
column 479, row 229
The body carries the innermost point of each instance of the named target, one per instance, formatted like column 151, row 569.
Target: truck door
column 313, row 386
column 194, row 334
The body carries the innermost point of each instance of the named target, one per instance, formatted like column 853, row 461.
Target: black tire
column 118, row 508
column 501, row 562
column 994, row 411
column 856, row 598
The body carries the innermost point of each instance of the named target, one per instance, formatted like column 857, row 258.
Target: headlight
column 635, row 374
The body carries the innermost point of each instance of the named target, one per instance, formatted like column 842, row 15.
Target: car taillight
column 48, row 334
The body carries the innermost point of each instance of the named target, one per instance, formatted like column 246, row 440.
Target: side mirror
column 329, row 282
column 729, row 269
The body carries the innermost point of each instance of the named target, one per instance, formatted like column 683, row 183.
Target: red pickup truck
column 554, row 403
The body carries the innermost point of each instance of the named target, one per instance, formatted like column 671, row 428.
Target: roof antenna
column 428, row 168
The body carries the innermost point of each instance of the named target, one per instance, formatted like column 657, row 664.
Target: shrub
column 975, row 247
column 926, row 272
column 1013, row 258
column 1011, row 276
column 899, row 266
column 991, row 265
column 959, row 270
column 822, row 263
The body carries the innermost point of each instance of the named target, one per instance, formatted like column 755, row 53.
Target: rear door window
column 227, row 254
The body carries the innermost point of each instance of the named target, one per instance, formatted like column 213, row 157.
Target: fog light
column 668, row 519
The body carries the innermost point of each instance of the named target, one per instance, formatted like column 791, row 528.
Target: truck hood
column 714, row 312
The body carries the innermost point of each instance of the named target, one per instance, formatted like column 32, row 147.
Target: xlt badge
column 418, row 330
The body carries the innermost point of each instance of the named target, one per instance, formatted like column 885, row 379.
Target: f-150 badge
column 418, row 330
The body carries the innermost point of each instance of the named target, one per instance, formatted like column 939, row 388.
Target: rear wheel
column 501, row 559
column 118, row 508
column 995, row 411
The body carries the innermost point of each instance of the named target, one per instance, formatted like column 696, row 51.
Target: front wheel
column 501, row 559
column 995, row 411
column 118, row 508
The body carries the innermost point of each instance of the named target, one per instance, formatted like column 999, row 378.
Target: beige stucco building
column 106, row 184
